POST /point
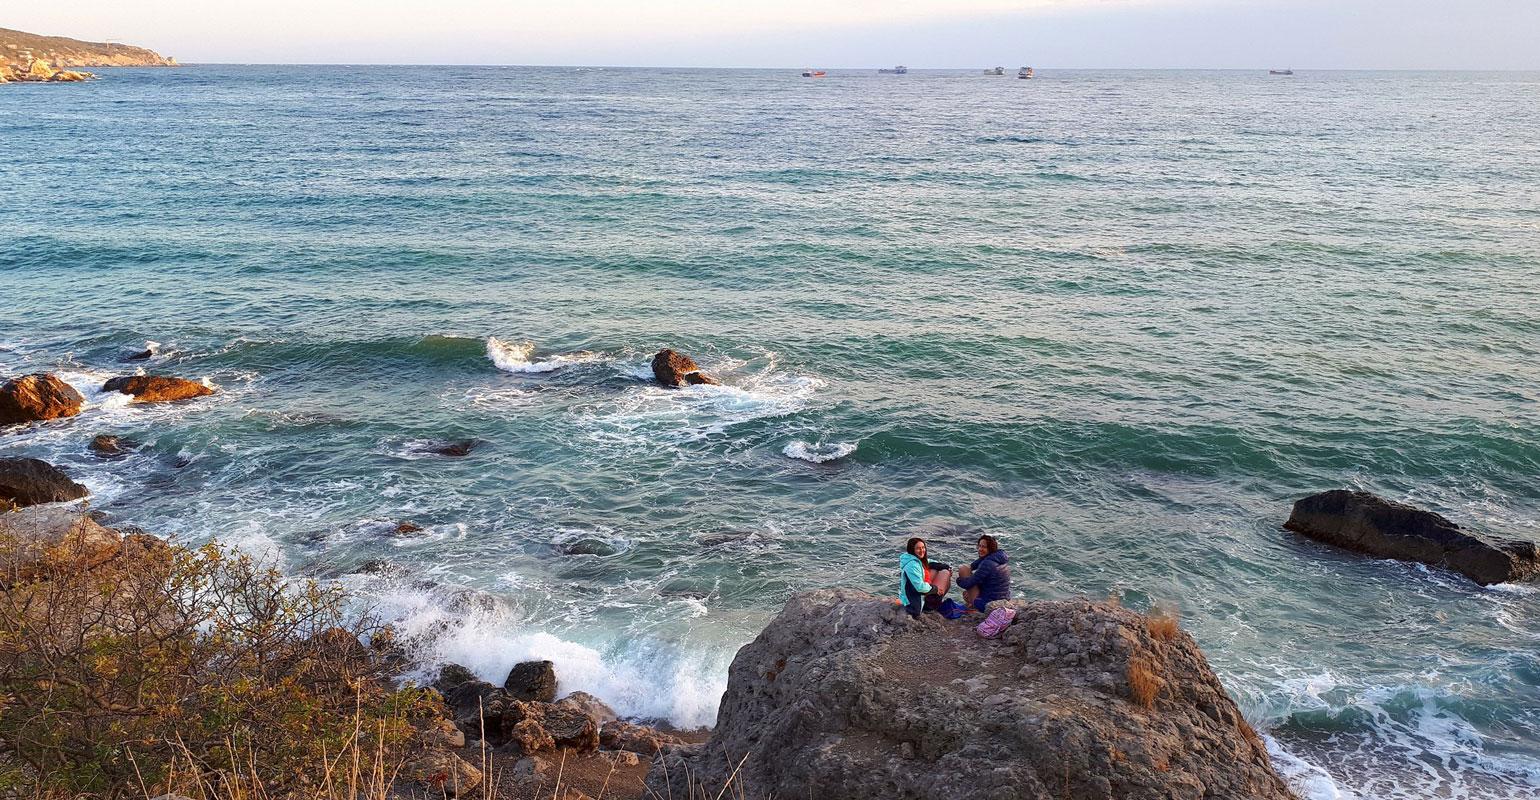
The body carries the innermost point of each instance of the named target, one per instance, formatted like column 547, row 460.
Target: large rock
column 843, row 696
column 1368, row 524
column 630, row 737
column 33, row 398
column 443, row 774
column 55, row 536
column 156, row 388
column 39, row 70
column 677, row 369
column 532, row 680
column 29, row 482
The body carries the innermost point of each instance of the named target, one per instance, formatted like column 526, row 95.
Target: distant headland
column 30, row 57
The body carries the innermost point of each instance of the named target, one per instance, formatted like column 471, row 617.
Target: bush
column 174, row 669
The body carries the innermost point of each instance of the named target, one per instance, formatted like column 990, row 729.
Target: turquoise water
column 1120, row 319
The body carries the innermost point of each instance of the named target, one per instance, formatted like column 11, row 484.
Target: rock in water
column 677, row 369
column 29, row 482
column 156, row 388
column 105, row 446
column 38, row 397
column 843, row 696
column 532, row 680
column 1368, row 524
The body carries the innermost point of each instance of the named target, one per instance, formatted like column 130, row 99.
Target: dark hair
column 909, row 548
column 990, row 543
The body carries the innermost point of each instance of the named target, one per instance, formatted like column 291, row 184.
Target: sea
column 1119, row 319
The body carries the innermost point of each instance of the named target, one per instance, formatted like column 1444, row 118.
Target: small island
column 28, row 57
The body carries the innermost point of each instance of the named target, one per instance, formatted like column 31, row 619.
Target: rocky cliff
column 844, row 697
column 20, row 50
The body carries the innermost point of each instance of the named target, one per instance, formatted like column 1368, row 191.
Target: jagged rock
column 571, row 727
column 451, row 676
column 408, row 527
column 442, row 734
column 143, row 355
column 620, row 735
column 37, row 397
column 526, row 737
column 59, row 536
column 532, row 680
column 70, row 76
column 156, row 388
column 677, row 369
column 39, row 70
column 443, row 773
column 1079, row 701
column 29, row 482
column 590, row 705
column 1365, row 523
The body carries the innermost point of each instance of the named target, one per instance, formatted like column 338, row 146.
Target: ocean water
column 1119, row 319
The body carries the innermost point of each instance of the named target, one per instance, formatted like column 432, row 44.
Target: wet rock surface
column 36, row 398
column 30, row 481
column 156, row 388
column 672, row 368
column 1365, row 523
column 532, row 680
column 846, row 697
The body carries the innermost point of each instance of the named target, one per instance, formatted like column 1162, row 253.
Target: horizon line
column 826, row 68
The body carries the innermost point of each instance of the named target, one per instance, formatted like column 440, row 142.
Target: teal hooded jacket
column 912, row 575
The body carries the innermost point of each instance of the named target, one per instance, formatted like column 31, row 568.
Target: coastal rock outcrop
column 37, row 397
column 845, row 696
column 531, row 680
column 52, row 535
column 671, row 368
column 156, row 388
column 62, row 52
column 30, row 481
column 1365, row 523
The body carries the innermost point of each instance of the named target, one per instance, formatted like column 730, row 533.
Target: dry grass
column 1163, row 624
column 1144, row 685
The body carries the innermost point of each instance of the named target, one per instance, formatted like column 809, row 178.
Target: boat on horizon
column 995, row 71
column 1280, row 72
column 814, row 73
column 1026, row 73
column 899, row 70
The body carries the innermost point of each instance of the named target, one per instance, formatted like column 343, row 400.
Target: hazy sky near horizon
column 1321, row 34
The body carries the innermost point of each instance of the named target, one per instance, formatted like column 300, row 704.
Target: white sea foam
column 818, row 452
column 1308, row 780
column 640, row 677
column 515, row 357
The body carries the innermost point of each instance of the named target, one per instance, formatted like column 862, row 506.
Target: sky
column 964, row 34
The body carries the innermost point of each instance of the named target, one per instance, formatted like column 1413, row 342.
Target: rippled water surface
column 1120, row 319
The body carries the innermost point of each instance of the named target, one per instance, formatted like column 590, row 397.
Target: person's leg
column 943, row 583
column 970, row 596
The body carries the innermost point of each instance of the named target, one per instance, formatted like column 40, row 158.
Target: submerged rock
column 106, row 446
column 156, row 388
column 845, row 697
column 29, row 482
column 677, row 369
column 1366, row 523
column 532, row 680
column 37, row 397
column 455, row 449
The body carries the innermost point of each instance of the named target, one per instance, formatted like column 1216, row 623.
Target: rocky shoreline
column 30, row 58
column 841, row 693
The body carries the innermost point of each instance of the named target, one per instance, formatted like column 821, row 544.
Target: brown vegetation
column 194, row 671
column 1162, row 624
column 1144, row 684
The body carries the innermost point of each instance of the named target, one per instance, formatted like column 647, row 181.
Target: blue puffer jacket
column 991, row 576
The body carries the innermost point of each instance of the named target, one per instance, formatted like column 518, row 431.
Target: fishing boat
column 1026, row 73
column 813, row 73
column 1280, row 72
column 894, row 71
column 995, row 71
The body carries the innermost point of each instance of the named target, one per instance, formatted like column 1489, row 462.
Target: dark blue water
column 1120, row 319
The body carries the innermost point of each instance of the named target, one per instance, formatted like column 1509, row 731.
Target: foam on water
column 818, row 452
column 515, row 357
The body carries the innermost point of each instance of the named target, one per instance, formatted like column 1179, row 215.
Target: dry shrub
column 193, row 670
column 1163, row 624
column 1144, row 684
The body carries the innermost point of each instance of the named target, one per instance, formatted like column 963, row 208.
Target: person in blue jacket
column 987, row 579
column 922, row 584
